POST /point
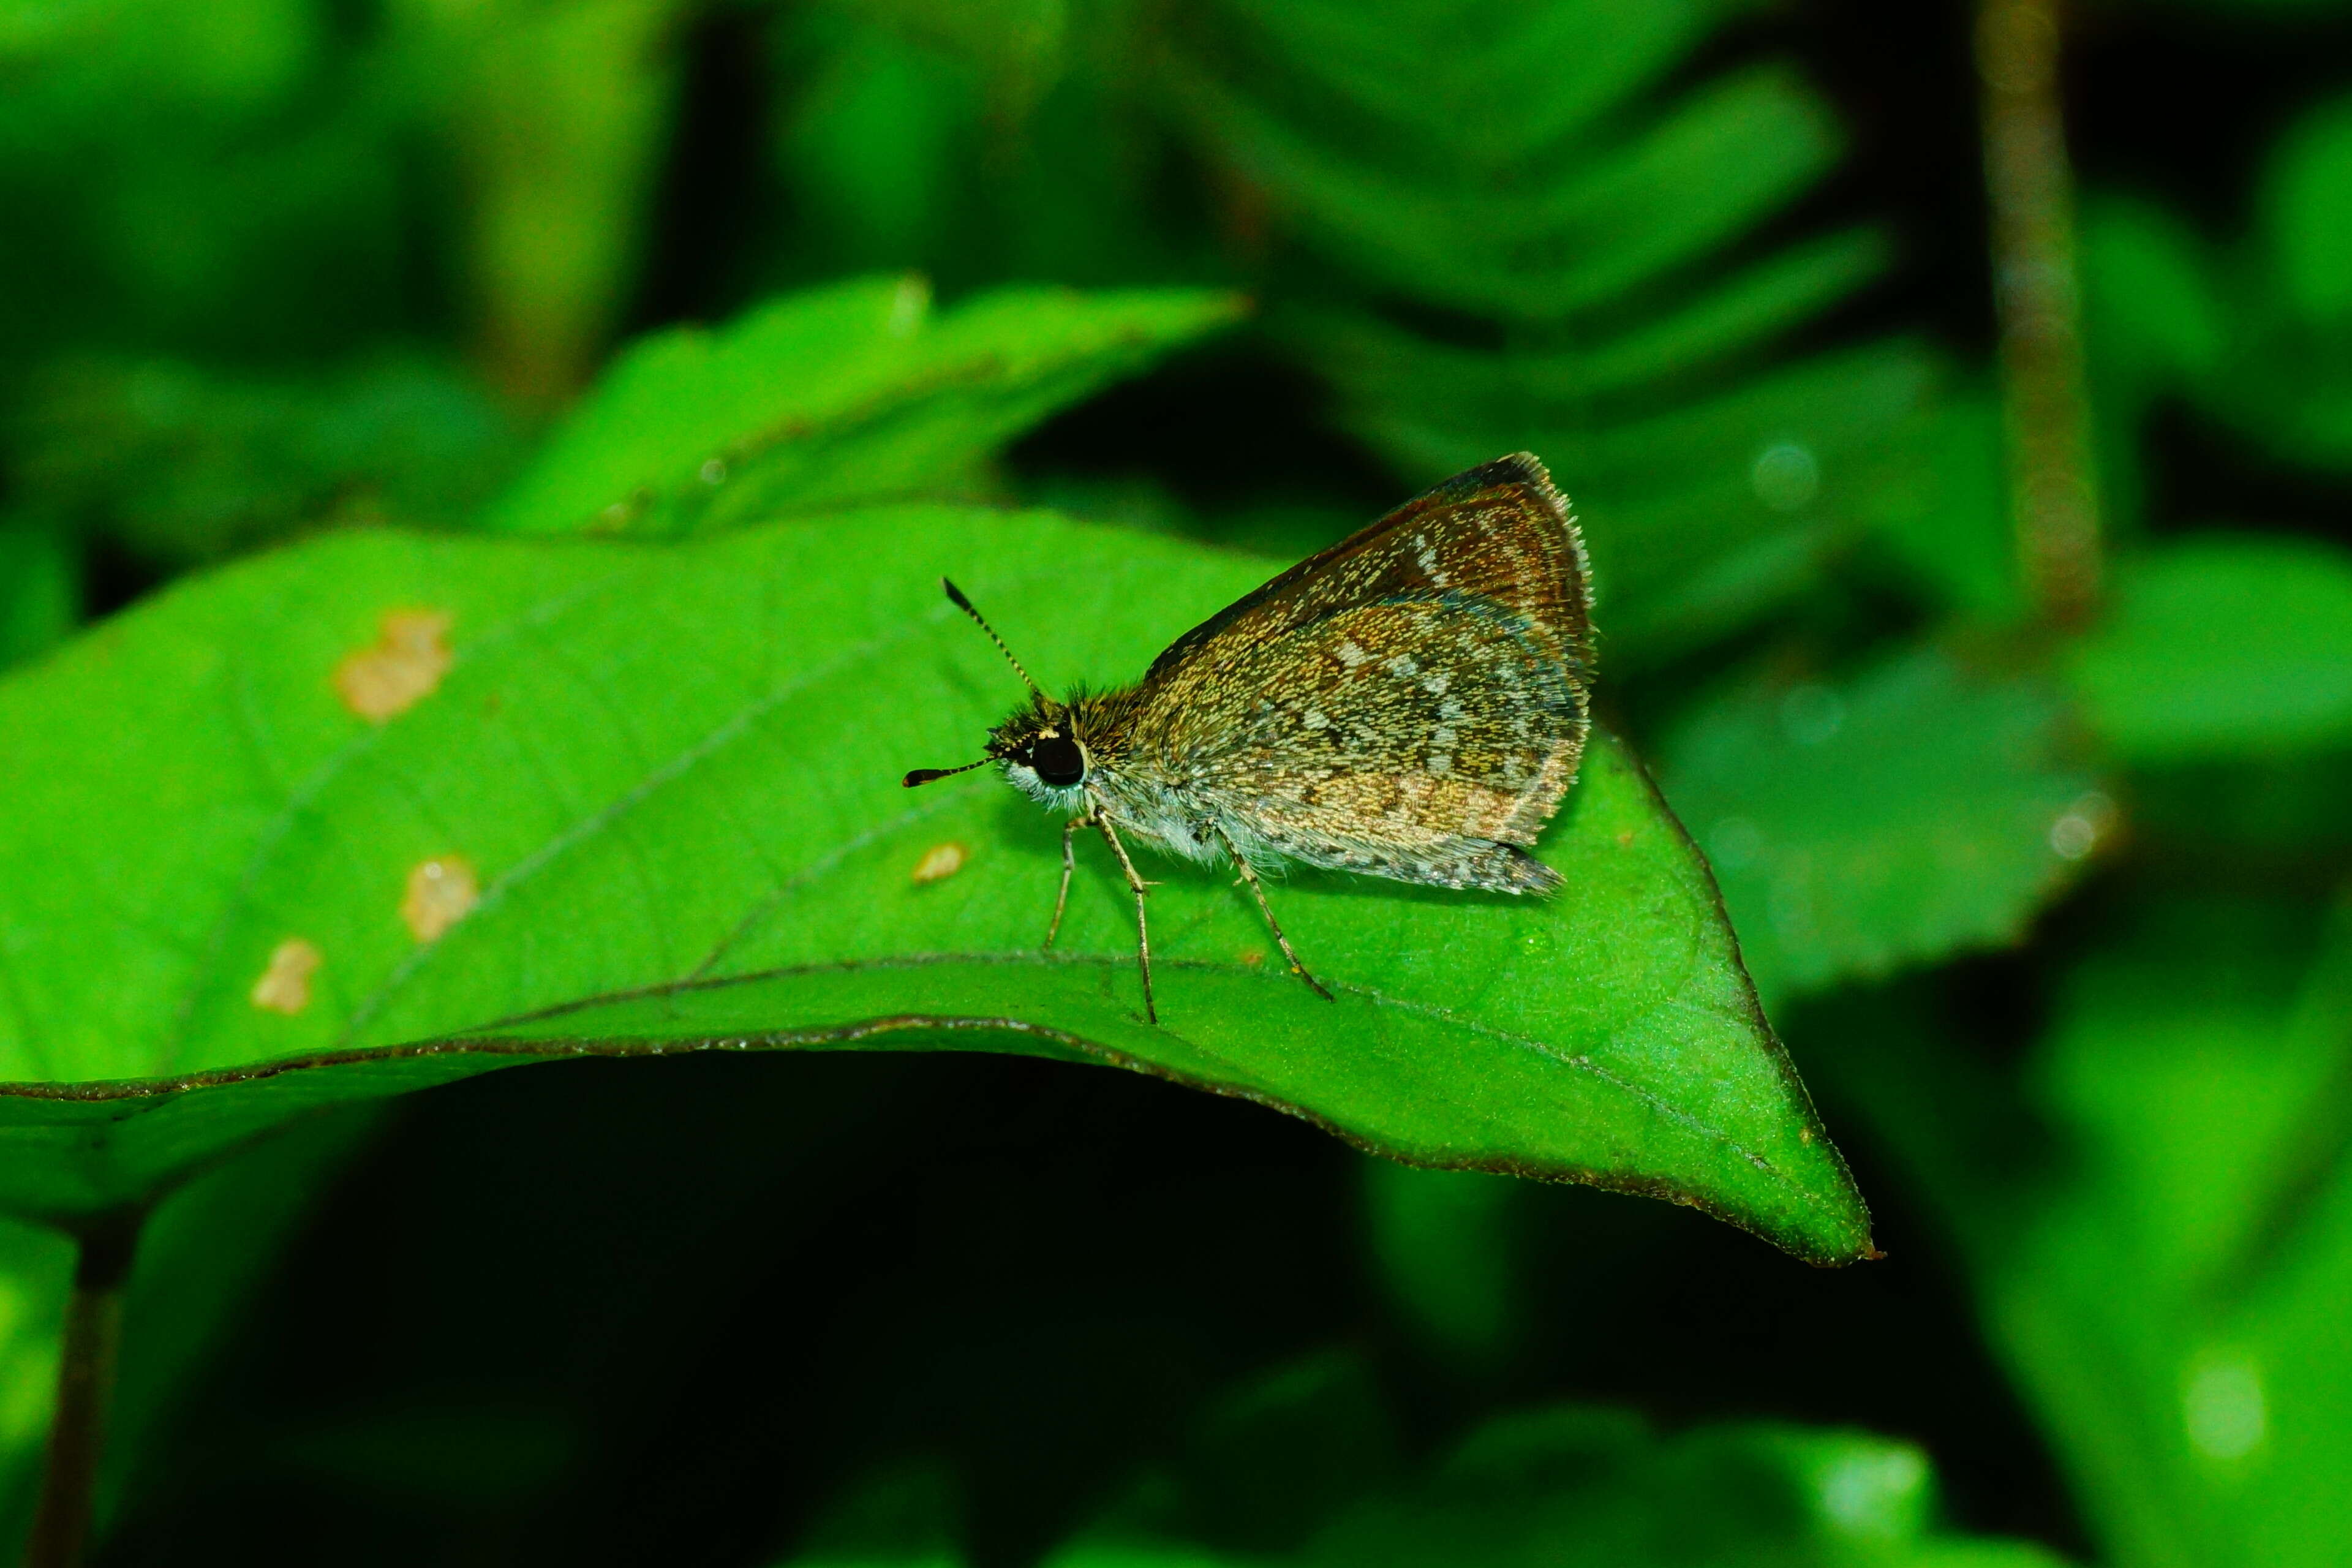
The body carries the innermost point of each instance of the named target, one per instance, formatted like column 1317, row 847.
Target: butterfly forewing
column 1410, row 703
column 1499, row 531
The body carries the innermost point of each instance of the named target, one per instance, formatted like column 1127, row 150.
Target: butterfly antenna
column 925, row 775
column 955, row 596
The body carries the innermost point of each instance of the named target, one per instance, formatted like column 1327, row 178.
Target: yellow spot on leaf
column 285, row 984
column 441, row 892
column 939, row 862
column 400, row 668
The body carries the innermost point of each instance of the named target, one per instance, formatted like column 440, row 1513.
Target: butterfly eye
column 1058, row 760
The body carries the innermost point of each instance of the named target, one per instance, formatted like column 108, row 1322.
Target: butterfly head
column 1042, row 754
column 1038, row 747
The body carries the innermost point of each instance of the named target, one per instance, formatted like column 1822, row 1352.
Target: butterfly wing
column 1499, row 531
column 1410, row 703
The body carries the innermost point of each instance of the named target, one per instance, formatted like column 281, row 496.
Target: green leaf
column 2283, row 809
column 1523, row 240
column 201, row 1255
column 37, row 1268
column 2167, row 1280
column 1936, row 496
column 555, row 119
column 2158, row 322
column 2155, row 310
column 1489, row 243
column 2230, row 644
column 903, row 1515
column 1424, row 87
column 879, row 141
column 2261, row 344
column 1857, row 828
column 1269, row 1461
column 1698, row 518
column 2307, row 198
column 1298, row 1468
column 1570, row 1486
column 254, row 200
column 189, row 464
column 847, row 393
column 1382, row 362
column 40, row 592
column 661, row 787
column 1441, row 1241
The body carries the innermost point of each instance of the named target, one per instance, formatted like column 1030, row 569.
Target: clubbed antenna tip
column 955, row 597
column 925, row 775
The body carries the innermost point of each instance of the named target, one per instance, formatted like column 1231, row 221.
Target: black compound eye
column 1058, row 760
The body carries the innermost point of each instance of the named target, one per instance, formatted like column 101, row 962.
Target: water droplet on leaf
column 1786, row 476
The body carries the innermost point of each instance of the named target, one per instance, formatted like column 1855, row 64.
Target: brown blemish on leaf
column 441, row 892
column 400, row 668
column 285, row 984
column 1254, row 959
column 939, row 862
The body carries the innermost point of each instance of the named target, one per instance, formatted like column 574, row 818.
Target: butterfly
column 1410, row 703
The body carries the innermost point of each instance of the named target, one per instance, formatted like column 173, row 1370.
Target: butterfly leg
column 1249, row 875
column 1142, row 931
column 1062, row 898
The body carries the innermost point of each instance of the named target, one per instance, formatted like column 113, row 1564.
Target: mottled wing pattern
column 1499, row 530
column 1410, row 703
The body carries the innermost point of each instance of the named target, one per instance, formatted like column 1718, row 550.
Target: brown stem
column 85, row 1383
column 2053, row 499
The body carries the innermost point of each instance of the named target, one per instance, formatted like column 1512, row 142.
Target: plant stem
column 2053, row 499
column 85, row 1385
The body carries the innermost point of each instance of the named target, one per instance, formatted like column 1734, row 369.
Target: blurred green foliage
column 1302, row 1467
column 2255, row 334
column 2054, row 921
column 40, row 591
column 185, row 465
column 1513, row 238
column 2163, row 1264
column 2221, row 647
column 1857, row 827
column 847, row 394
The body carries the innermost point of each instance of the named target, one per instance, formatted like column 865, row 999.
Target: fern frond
column 1525, row 168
